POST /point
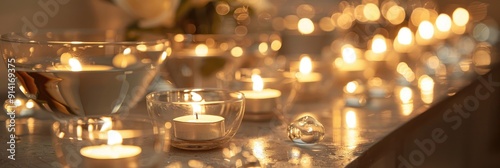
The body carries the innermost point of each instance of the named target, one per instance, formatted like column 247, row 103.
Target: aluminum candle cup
column 261, row 104
column 200, row 119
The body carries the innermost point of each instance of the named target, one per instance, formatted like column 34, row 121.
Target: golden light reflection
column 276, row 45
column 426, row 85
column 351, row 119
column 371, row 12
column 305, row 26
column 258, row 148
column 351, row 87
column 124, row 60
column 305, row 65
column 405, row 71
column 379, row 44
column 460, row 17
column 406, row 95
column 201, row 50
column 258, row 83
column 263, row 48
column 348, row 54
column 237, row 51
column 406, row 108
column 74, row 64
column 30, row 104
column 396, row 15
column 114, row 138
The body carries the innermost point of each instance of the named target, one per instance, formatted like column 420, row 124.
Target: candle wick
column 196, row 115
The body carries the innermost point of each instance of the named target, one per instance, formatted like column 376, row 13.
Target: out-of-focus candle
column 260, row 102
column 425, row 33
column 305, row 73
column 354, row 94
column 443, row 26
column 114, row 154
column 349, row 60
column 378, row 49
column 404, row 40
column 74, row 64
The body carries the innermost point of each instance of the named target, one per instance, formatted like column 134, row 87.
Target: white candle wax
column 110, row 156
column 308, row 77
column 199, row 127
column 263, row 94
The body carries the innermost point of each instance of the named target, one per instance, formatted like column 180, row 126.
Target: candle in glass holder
column 114, row 154
column 354, row 94
column 198, row 127
column 74, row 64
column 260, row 102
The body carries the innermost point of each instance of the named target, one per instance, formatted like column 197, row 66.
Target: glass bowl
column 109, row 141
column 83, row 72
column 201, row 119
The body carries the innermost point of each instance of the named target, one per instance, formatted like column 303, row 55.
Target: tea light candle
column 260, row 102
column 377, row 88
column 199, row 127
column 349, row 61
column 305, row 74
column 354, row 94
column 75, row 65
column 114, row 154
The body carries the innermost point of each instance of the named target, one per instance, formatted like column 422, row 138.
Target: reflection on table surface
column 350, row 131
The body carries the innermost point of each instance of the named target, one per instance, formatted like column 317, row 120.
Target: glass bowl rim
column 21, row 37
column 240, row 96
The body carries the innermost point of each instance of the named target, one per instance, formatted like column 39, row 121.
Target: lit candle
column 114, row 154
column 125, row 59
column 198, row 127
column 404, row 40
column 425, row 33
column 349, row 60
column 260, row 102
column 378, row 49
column 305, row 73
column 354, row 94
column 378, row 88
column 74, row 64
column 310, row 84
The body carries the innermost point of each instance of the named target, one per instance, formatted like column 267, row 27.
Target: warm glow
column 201, row 50
column 405, row 71
column 75, row 64
column 305, row 26
column 258, row 83
column 350, row 119
column 114, row 138
column 127, row 51
column 237, row 51
column 426, row 84
column 30, row 104
column 196, row 97
column 379, row 44
column 371, row 12
column 426, row 30
column 405, row 36
column 460, row 17
column 406, row 95
column 263, row 47
column 443, row 23
column 305, row 65
column 396, row 15
column 351, row 86
column 258, row 148
column 349, row 54
column 276, row 45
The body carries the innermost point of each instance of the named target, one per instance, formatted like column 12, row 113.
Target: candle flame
column 426, row 30
column 406, row 95
column 349, row 54
column 351, row 86
column 443, row 23
column 127, row 51
column 379, row 44
column 201, row 50
column 460, row 17
column 305, row 65
column 258, row 83
column 114, row 138
column 30, row 104
column 305, row 26
column 405, row 36
column 75, row 64
column 426, row 84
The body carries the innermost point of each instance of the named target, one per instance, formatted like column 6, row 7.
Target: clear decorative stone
column 306, row 130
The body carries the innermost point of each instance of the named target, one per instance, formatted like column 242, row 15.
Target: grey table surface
column 347, row 136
